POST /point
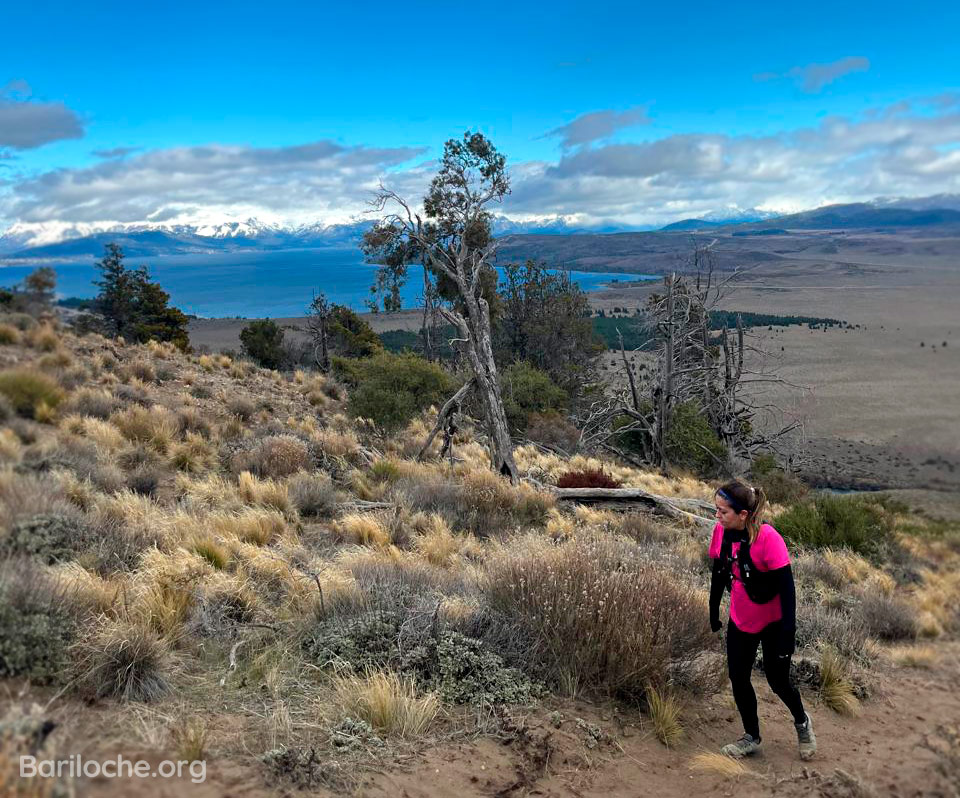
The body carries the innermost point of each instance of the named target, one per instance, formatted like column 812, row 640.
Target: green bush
column 51, row 538
column 527, row 390
column 780, row 486
column 390, row 388
column 848, row 522
column 36, row 624
column 263, row 342
column 26, row 389
column 691, row 442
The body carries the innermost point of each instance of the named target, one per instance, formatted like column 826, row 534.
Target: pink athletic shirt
column 768, row 553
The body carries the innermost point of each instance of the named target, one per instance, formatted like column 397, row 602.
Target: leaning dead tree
column 452, row 238
column 694, row 365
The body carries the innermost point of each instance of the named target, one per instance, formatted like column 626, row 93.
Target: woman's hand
column 715, row 625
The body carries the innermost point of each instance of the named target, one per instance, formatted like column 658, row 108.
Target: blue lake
column 273, row 284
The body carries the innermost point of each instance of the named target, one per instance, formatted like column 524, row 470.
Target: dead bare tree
column 318, row 327
column 453, row 240
column 693, row 364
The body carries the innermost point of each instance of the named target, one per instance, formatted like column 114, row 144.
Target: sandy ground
column 878, row 408
column 571, row 748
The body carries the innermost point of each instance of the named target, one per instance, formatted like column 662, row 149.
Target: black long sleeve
column 788, row 606
column 717, row 586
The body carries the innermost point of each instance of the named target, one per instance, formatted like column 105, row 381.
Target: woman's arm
column 788, row 606
column 717, row 586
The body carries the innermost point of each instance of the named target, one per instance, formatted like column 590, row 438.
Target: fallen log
column 691, row 510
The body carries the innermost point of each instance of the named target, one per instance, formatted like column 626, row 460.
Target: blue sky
column 676, row 110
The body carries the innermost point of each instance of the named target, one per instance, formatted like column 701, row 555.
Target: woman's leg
column 741, row 654
column 777, row 670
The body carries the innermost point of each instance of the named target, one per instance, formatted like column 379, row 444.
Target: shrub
column 554, row 431
column 602, row 614
column 482, row 503
column 24, row 322
column 9, row 334
column 36, row 624
column 888, row 618
column 28, row 390
column 527, row 390
column 691, row 442
column 242, row 407
column 262, row 341
column 314, row 495
column 818, row 624
column 587, row 478
column 390, row 389
column 124, row 660
column 94, row 402
column 838, row 522
column 276, row 456
column 50, row 537
column 145, row 479
column 780, row 486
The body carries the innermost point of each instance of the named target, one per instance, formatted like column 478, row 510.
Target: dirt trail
column 883, row 747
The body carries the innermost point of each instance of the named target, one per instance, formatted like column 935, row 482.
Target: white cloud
column 910, row 148
column 320, row 179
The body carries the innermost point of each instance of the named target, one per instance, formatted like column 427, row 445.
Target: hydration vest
column 761, row 586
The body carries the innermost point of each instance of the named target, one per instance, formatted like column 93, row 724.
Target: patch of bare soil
column 612, row 755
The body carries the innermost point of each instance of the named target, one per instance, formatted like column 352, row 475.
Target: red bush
column 588, row 478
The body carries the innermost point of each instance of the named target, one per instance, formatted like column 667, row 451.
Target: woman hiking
column 751, row 559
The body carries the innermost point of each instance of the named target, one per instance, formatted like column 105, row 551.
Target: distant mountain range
column 31, row 242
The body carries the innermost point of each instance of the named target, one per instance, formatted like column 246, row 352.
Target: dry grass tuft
column 9, row 335
column 836, row 689
column 264, row 492
column 665, row 715
column 122, row 659
column 386, row 701
column 366, row 530
column 719, row 764
column 153, row 426
column 254, row 525
column 913, row 656
column 189, row 737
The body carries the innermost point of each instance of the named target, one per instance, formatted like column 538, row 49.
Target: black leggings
column 741, row 654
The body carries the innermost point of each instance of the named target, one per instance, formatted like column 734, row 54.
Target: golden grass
column 836, row 689
column 189, row 737
column 437, row 544
column 44, row 338
column 719, row 765
column 264, row 492
column 11, row 450
column 9, row 335
column 913, row 656
column 366, row 530
column 386, row 701
column 99, row 594
column 664, row 713
column 154, row 426
column 194, row 454
column 210, row 550
column 253, row 525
